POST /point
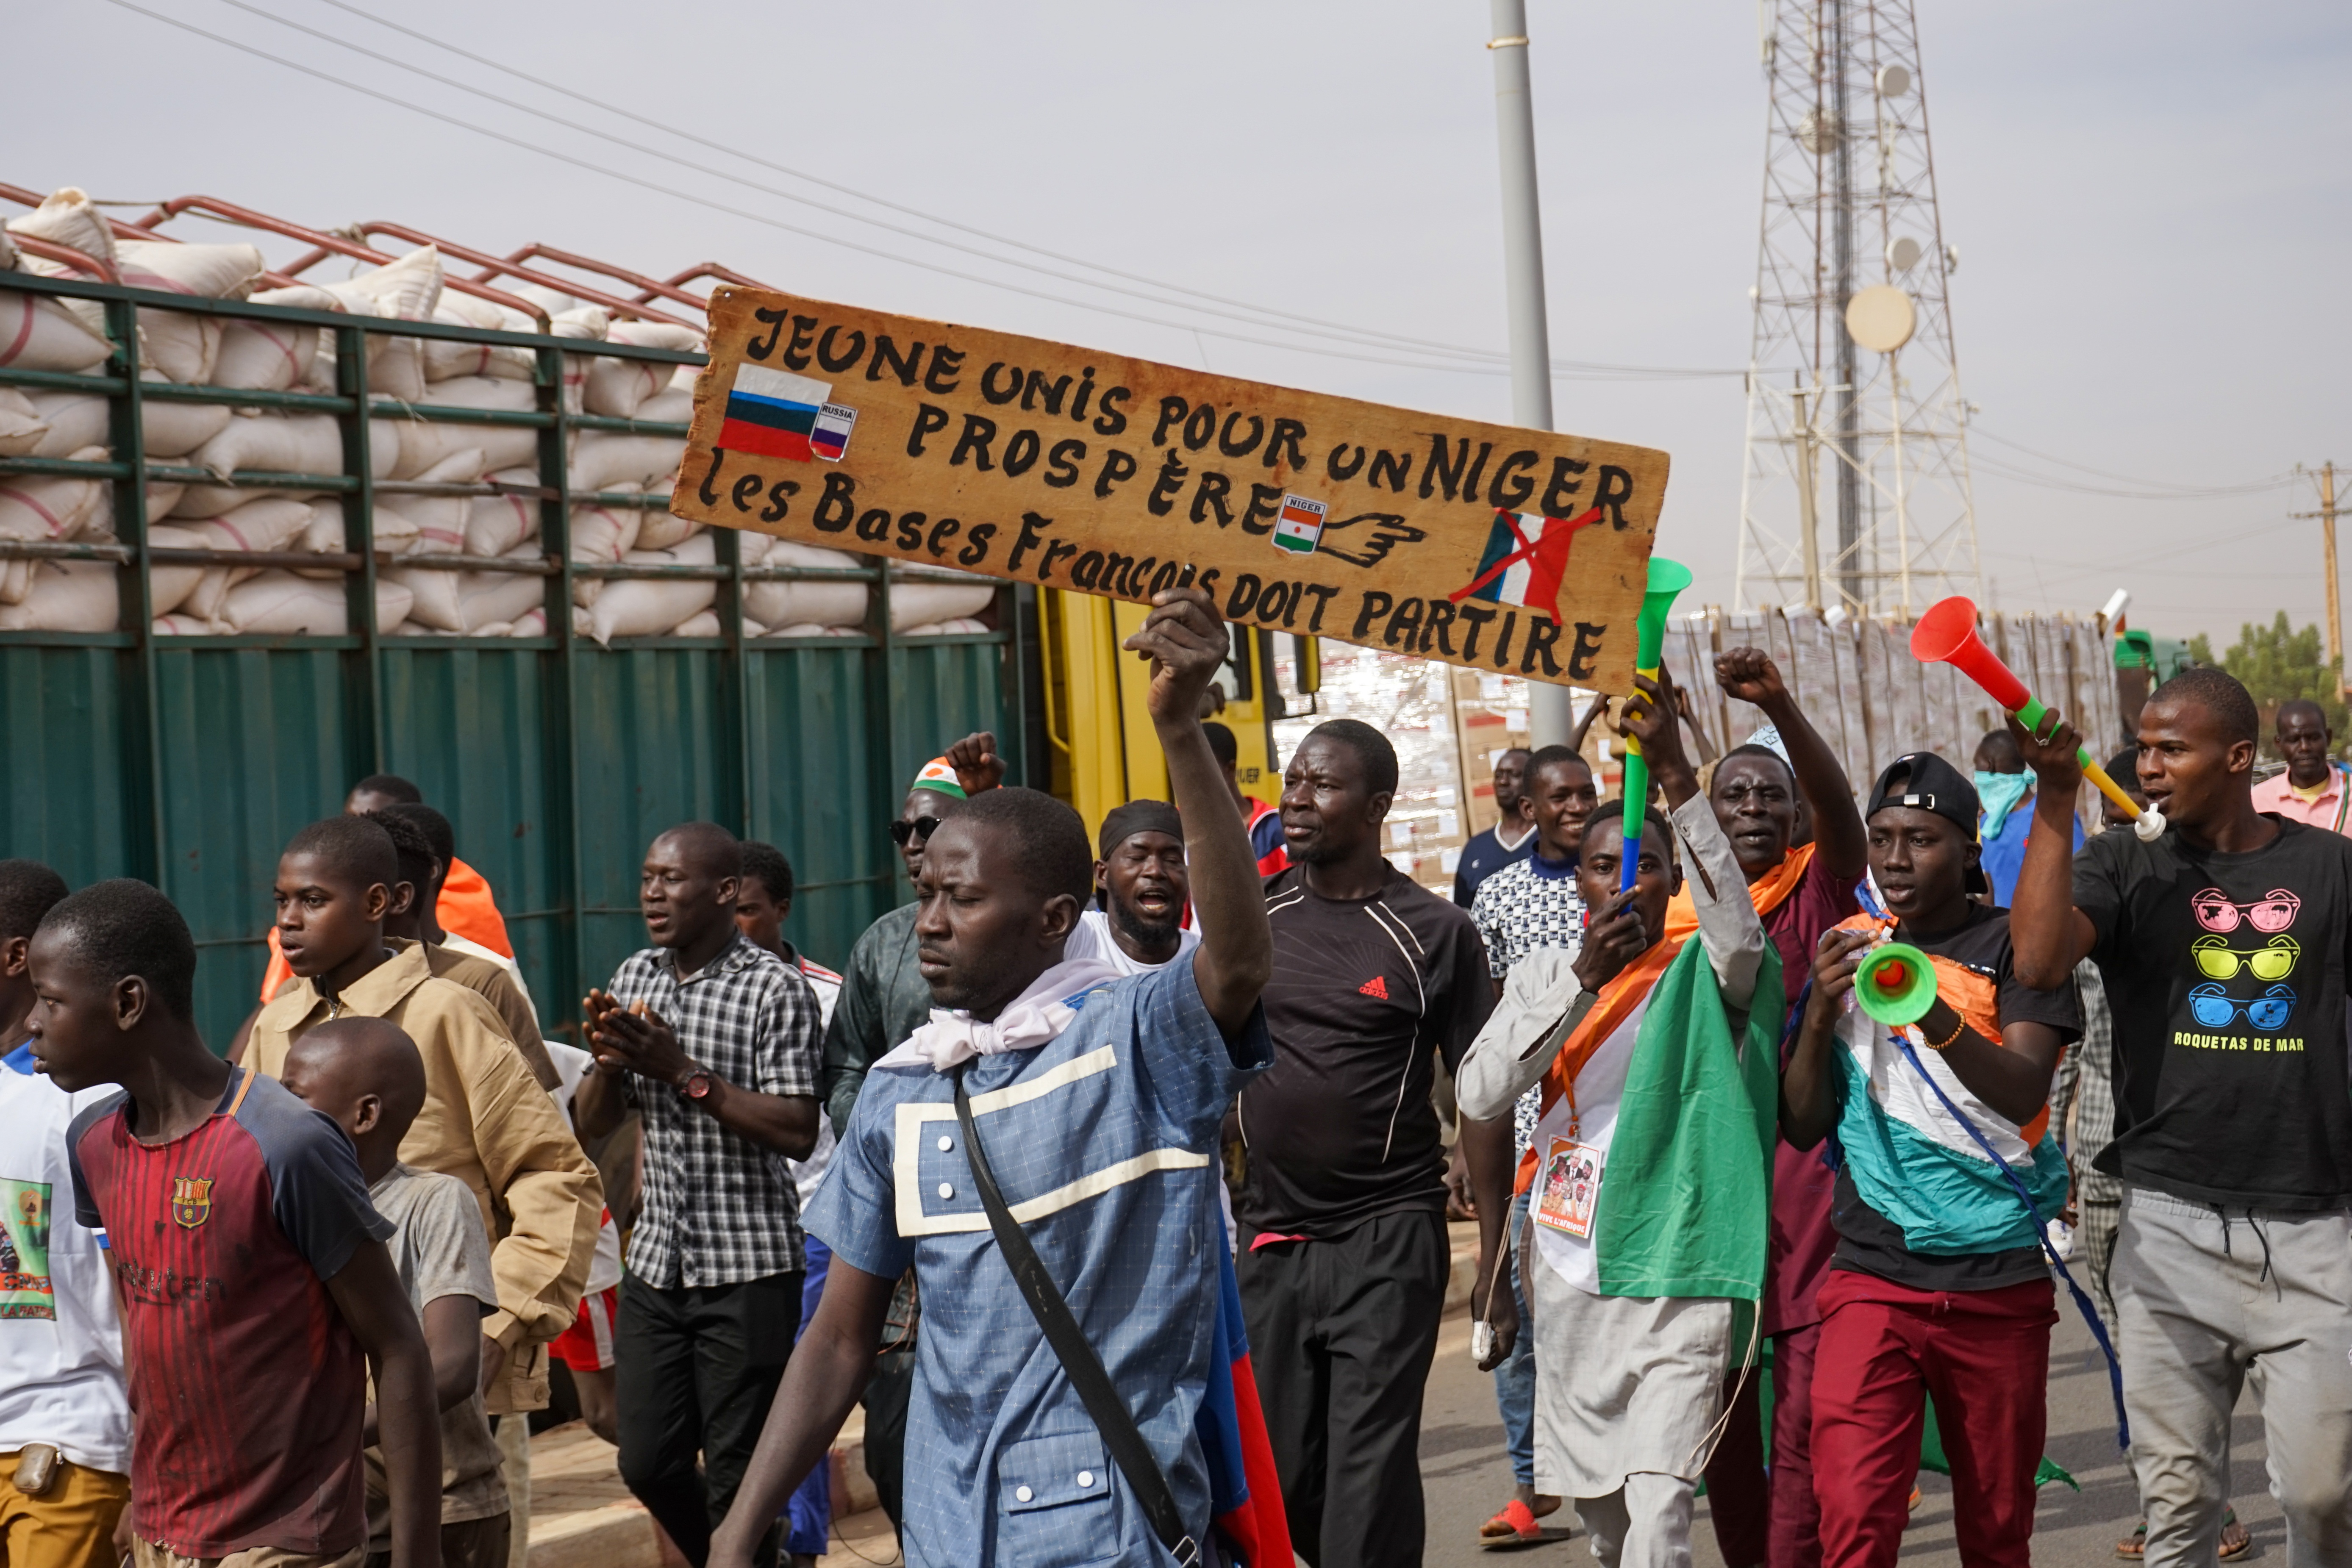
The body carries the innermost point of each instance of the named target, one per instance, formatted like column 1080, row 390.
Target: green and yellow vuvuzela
column 1667, row 578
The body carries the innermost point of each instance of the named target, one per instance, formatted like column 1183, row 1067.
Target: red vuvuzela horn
column 1946, row 633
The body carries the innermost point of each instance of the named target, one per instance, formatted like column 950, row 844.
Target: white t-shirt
column 1092, row 938
column 60, row 1338
column 808, row 1173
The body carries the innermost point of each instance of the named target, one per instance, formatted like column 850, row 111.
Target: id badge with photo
column 1568, row 1188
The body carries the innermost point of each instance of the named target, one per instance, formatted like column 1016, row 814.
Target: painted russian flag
column 1244, row 1492
column 770, row 412
column 1525, row 559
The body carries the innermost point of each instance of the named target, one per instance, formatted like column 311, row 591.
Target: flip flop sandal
column 1515, row 1526
column 2133, row 1547
column 2235, row 1541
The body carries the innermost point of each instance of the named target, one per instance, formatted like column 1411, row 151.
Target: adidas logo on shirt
column 1375, row 986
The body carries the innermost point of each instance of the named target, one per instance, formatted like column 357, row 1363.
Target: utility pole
column 1805, row 518
column 1550, row 708
column 2327, row 545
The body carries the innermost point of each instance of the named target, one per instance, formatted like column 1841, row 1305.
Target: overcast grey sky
column 2151, row 203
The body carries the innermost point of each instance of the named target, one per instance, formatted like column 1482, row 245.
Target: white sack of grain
column 445, row 359
column 810, row 630
column 50, row 506
column 288, row 606
column 751, row 546
column 610, row 461
column 21, row 424
column 67, row 596
column 591, row 322
column 161, row 499
column 76, row 420
column 15, row 581
column 604, row 533
column 665, row 531
column 295, row 444
column 641, row 607
column 66, row 216
column 943, row 629
column 38, row 333
column 170, row 585
column 673, row 406
column 469, row 603
column 531, row 623
column 617, row 388
column 425, row 443
column 705, row 625
column 181, row 626
column 441, row 520
column 184, row 347
column 269, row 356
column 272, row 524
column 495, row 524
column 404, row 290
column 668, row 335
column 923, row 604
column 820, row 603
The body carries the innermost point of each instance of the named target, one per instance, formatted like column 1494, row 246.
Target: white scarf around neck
column 1034, row 1017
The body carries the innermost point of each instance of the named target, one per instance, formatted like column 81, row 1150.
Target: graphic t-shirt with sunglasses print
column 2226, row 973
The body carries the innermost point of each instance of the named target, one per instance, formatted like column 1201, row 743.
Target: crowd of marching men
column 1112, row 1177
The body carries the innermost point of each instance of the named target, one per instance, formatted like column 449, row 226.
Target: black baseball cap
column 1925, row 781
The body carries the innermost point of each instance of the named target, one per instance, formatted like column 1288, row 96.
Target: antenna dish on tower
column 1894, row 82
column 1881, row 319
column 1903, row 254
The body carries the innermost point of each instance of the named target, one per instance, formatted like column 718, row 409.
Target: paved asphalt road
column 1466, row 1475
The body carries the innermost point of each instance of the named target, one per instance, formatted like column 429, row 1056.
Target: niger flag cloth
column 1769, row 891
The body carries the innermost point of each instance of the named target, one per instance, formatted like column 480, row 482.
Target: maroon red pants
column 1776, row 1521
column 1985, row 1356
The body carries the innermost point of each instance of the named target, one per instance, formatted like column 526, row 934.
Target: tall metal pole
column 1550, row 713
column 2327, row 538
column 1805, row 519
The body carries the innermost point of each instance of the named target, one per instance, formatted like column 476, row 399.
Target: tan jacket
column 488, row 979
column 486, row 1123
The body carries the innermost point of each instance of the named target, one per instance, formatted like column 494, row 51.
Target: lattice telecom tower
column 1856, row 492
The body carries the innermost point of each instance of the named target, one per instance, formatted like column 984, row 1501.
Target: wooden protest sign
column 1483, row 545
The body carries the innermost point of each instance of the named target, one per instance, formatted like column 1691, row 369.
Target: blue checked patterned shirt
column 1105, row 1142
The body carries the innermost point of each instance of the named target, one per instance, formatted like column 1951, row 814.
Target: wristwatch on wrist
column 696, row 1082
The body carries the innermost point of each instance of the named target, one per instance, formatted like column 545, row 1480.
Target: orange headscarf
column 1615, row 1003
column 1768, row 891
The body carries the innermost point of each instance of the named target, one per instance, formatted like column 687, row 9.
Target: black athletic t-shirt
column 1341, row 1130
column 2226, row 974
column 1870, row 1243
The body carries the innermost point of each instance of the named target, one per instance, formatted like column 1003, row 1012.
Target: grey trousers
column 2208, row 1301
column 2094, row 1245
column 1644, row 1524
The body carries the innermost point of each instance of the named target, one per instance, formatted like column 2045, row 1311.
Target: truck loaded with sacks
column 282, row 505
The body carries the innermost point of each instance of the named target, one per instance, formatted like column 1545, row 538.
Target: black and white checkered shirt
column 719, row 1209
column 2090, row 1089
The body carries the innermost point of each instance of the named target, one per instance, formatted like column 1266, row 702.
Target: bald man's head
column 365, row 1076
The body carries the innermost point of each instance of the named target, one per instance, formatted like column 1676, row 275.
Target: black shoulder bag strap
column 1128, row 1449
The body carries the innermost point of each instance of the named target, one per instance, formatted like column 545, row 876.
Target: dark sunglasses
column 921, row 828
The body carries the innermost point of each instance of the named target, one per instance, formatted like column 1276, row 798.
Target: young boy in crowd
column 252, row 1269
column 2222, row 945
column 364, row 1076
column 65, row 1416
column 486, row 1121
column 1938, row 1285
column 1656, row 1066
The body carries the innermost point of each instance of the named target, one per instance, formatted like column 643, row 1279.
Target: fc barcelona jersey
column 246, row 1387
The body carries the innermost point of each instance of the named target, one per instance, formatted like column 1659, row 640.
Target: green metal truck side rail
column 189, row 761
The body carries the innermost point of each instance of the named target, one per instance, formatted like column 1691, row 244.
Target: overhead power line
column 1433, row 354
column 2145, row 488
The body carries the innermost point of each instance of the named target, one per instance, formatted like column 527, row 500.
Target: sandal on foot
column 1515, row 1526
column 2235, row 1541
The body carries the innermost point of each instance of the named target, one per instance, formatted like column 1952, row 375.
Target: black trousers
column 697, row 1367
column 1341, row 1334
